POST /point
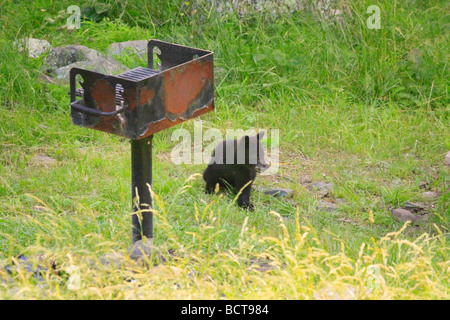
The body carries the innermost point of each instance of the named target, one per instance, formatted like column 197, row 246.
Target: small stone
column 327, row 206
column 430, row 195
column 425, row 185
column 404, row 215
column 447, row 159
column 22, row 263
column 141, row 249
column 34, row 47
column 340, row 201
column 323, row 188
column 279, row 192
column 43, row 159
column 114, row 260
column 305, row 178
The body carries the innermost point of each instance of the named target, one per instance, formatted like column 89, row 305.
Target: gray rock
column 141, row 249
column 305, row 178
column 326, row 206
column 447, row 159
column 24, row 265
column 279, row 192
column 323, row 188
column 425, row 185
column 61, row 59
column 430, row 195
column 34, row 47
column 114, row 260
column 138, row 47
column 340, row 201
column 101, row 65
column 63, row 56
column 404, row 215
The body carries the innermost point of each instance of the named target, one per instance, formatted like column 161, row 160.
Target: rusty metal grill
column 147, row 100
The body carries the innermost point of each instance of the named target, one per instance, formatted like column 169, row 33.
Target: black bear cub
column 235, row 163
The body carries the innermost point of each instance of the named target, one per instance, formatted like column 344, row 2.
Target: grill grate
column 136, row 74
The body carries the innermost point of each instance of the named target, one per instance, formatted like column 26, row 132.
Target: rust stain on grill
column 129, row 97
column 182, row 85
column 167, row 123
column 104, row 95
column 146, row 95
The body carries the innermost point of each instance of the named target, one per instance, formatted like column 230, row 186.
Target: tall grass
column 301, row 55
column 295, row 263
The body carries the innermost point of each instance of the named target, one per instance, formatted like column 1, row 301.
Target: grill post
column 141, row 178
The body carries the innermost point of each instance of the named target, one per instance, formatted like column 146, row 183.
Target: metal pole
column 141, row 175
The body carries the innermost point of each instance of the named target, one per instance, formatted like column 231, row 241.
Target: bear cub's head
column 247, row 151
column 253, row 150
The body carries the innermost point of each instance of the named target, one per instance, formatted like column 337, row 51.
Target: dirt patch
column 42, row 159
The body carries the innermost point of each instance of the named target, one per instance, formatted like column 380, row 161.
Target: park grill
column 140, row 102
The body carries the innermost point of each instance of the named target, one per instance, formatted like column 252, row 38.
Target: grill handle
column 94, row 112
column 89, row 76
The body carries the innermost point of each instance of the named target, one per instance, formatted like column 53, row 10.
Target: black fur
column 240, row 170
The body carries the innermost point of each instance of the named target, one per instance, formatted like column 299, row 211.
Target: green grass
column 353, row 107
